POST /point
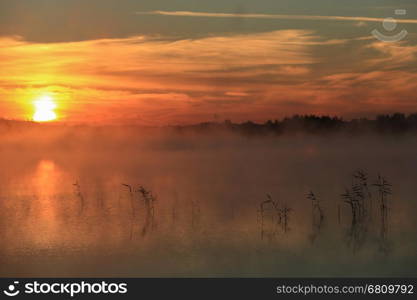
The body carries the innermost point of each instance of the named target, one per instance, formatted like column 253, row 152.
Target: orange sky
column 157, row 79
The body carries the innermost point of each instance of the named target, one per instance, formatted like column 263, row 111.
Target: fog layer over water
column 130, row 202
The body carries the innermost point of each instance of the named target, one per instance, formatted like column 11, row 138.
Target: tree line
column 397, row 123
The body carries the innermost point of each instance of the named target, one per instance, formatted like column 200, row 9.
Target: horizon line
column 281, row 119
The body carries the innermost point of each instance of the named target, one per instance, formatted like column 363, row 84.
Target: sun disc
column 44, row 109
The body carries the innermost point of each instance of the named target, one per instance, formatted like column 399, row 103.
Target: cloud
column 237, row 76
column 271, row 16
column 237, row 94
column 361, row 24
column 147, row 74
column 393, row 55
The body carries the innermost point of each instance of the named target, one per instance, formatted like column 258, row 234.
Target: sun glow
column 44, row 109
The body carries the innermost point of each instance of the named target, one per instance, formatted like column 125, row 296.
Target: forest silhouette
column 397, row 123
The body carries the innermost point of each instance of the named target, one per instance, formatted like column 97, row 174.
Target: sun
column 44, row 109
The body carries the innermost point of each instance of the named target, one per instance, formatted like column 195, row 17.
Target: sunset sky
column 157, row 62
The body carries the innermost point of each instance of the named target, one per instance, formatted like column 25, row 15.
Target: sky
column 165, row 62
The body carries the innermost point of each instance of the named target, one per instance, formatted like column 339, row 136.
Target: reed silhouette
column 149, row 202
column 80, row 196
column 317, row 216
column 361, row 190
column 270, row 218
column 285, row 212
column 384, row 190
column 360, row 201
column 132, row 204
column 274, row 217
column 356, row 198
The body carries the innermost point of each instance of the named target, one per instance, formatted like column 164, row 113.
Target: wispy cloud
column 271, row 16
column 160, row 78
column 393, row 55
column 238, row 76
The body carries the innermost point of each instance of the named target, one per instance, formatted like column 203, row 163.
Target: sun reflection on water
column 46, row 180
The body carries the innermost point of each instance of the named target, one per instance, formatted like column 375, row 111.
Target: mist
column 156, row 202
